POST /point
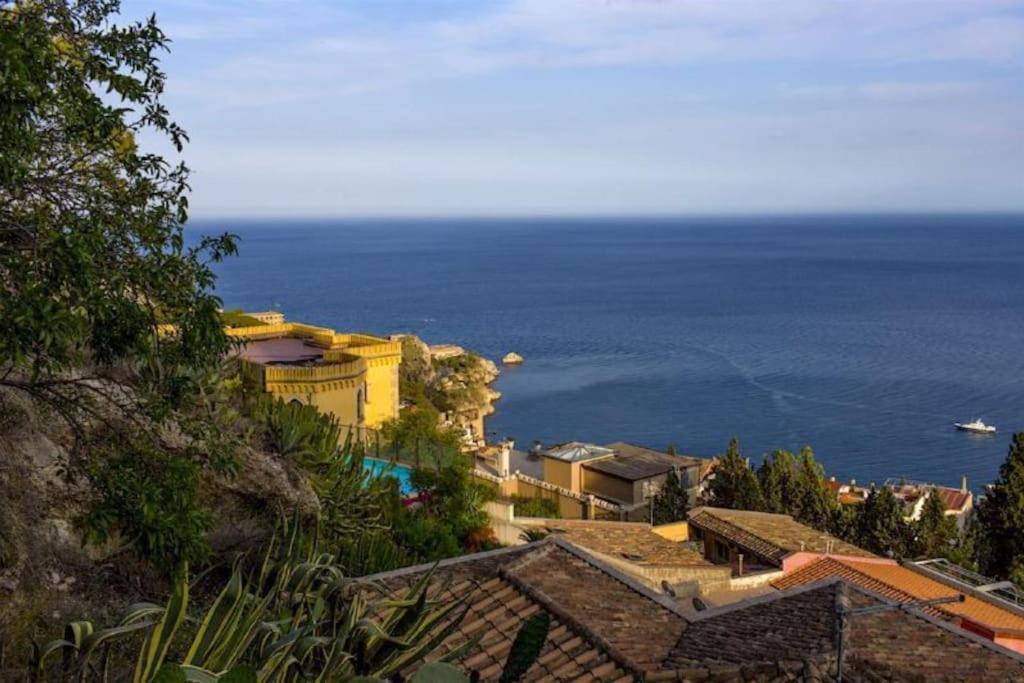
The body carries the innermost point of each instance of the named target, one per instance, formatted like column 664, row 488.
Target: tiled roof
column 903, row 584
column 607, row 627
column 634, row 463
column 604, row 626
column 632, row 541
column 614, row 611
column 800, row 624
column 771, row 536
column 953, row 499
column 760, row 629
column 909, row 645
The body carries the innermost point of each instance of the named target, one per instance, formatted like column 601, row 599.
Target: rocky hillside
column 48, row 574
column 448, row 379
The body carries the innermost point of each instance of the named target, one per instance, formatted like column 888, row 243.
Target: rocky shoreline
column 454, row 381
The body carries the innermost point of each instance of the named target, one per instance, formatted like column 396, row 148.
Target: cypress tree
column 671, row 503
column 936, row 531
column 778, row 479
column 1001, row 517
column 735, row 485
column 880, row 524
column 817, row 505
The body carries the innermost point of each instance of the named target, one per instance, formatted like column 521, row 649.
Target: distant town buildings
column 959, row 502
column 622, row 473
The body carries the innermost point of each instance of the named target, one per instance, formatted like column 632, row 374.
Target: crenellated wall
column 356, row 379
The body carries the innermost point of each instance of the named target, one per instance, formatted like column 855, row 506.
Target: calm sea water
column 865, row 337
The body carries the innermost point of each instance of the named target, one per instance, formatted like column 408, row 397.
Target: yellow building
column 352, row 376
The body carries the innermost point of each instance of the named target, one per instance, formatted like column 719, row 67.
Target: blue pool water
column 864, row 336
column 383, row 468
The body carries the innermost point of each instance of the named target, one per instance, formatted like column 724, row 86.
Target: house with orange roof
column 763, row 541
column 992, row 610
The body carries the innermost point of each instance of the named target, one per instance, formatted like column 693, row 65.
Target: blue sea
column 863, row 336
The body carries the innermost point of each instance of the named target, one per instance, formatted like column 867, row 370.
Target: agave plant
column 297, row 618
column 298, row 431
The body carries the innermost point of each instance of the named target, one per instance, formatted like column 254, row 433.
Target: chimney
column 963, row 484
column 853, row 482
column 831, row 478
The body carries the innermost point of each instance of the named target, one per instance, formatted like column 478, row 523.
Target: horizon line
column 767, row 215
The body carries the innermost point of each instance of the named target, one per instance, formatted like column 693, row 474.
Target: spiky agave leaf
column 154, row 649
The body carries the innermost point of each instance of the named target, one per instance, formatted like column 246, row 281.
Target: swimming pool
column 398, row 471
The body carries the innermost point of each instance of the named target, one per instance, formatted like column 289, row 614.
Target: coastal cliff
column 448, row 379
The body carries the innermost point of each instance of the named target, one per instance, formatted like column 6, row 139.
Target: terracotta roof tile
column 628, row 621
column 601, row 621
column 953, row 499
column 909, row 645
column 771, row 536
column 790, row 627
column 632, row 541
column 607, row 627
column 903, row 584
column 800, row 624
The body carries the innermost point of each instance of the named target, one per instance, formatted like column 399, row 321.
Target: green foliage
column 527, row 646
column 237, row 318
column 533, row 534
column 1000, row 542
column 454, row 496
column 298, row 431
column 370, row 552
column 93, row 260
column 779, row 476
column 880, row 525
column 146, row 499
column 936, row 531
column 536, row 506
column 92, row 248
column 672, row 502
column 735, row 485
column 817, row 502
column 295, row 618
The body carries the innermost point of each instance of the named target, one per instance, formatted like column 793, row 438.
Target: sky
column 308, row 108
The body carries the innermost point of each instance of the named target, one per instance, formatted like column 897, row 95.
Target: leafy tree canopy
column 94, row 260
column 93, row 256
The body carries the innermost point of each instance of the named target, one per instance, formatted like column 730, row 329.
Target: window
column 359, row 406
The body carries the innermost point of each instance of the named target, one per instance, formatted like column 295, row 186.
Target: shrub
column 237, row 318
column 537, row 506
column 146, row 498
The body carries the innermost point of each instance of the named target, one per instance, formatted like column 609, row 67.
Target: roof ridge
column 765, row 598
column 746, row 533
column 451, row 561
column 620, row 576
column 849, row 563
column 935, row 621
column 552, row 606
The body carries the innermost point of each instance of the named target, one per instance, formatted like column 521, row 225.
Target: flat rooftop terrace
column 281, row 351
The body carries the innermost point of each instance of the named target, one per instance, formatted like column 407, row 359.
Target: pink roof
column 281, row 350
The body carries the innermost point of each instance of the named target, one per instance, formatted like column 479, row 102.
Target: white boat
column 977, row 426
